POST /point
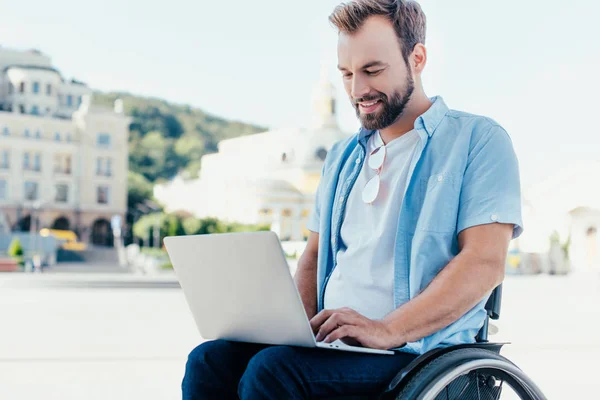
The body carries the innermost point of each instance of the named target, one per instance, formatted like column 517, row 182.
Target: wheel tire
column 446, row 363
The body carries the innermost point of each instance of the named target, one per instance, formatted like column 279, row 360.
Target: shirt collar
column 429, row 120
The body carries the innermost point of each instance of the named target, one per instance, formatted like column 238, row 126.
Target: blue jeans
column 225, row 370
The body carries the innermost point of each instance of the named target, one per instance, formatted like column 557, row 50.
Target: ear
column 418, row 59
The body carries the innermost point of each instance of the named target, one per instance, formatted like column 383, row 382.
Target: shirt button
column 341, row 199
column 440, row 177
column 494, row 217
column 358, row 160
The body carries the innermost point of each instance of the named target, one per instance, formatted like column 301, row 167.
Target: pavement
column 125, row 336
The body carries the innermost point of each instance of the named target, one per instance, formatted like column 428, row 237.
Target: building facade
column 267, row 178
column 63, row 160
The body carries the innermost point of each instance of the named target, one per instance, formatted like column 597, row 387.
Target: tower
column 324, row 102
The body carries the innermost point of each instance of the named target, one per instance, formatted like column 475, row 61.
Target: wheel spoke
column 499, row 389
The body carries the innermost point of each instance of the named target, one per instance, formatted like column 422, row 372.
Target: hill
column 167, row 138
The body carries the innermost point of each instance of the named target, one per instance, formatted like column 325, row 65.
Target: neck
column 418, row 104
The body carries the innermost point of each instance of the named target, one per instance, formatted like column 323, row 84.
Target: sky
column 533, row 65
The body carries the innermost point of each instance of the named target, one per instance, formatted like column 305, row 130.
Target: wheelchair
column 474, row 371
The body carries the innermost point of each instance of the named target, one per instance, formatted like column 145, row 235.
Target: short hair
column 406, row 16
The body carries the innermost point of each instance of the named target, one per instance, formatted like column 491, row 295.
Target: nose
column 359, row 88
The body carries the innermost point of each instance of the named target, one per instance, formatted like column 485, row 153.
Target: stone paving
column 79, row 336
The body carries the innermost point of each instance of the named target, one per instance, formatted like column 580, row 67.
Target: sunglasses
column 375, row 162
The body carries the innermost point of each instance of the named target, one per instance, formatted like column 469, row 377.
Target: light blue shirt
column 464, row 172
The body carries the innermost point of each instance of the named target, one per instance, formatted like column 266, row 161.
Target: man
column 410, row 230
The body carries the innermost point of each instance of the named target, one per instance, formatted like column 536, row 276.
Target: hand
column 352, row 328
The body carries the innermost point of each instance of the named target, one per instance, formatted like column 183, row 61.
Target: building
column 266, row 178
column 63, row 160
column 565, row 206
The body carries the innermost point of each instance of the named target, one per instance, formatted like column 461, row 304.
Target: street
column 130, row 340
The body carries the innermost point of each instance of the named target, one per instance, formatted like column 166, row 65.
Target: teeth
column 368, row 104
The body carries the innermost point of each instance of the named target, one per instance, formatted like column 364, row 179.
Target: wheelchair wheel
column 467, row 374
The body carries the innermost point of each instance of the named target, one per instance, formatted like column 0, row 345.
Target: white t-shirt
column 364, row 276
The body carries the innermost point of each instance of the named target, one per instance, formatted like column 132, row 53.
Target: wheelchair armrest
column 494, row 302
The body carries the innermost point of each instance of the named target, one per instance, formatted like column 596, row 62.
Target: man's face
column 375, row 74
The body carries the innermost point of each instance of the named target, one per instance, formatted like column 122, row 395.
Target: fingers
column 346, row 331
column 319, row 319
column 336, row 320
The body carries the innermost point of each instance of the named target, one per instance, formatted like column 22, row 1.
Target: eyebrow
column 367, row 65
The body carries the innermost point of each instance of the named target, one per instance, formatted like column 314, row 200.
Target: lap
column 313, row 371
column 323, row 372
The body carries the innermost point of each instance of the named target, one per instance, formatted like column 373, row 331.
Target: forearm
column 306, row 281
column 464, row 282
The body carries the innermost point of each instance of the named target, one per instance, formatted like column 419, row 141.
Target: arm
column 465, row 281
column 306, row 275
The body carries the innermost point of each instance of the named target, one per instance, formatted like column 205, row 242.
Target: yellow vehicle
column 68, row 239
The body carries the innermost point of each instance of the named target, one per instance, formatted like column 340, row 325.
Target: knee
column 270, row 374
column 204, row 352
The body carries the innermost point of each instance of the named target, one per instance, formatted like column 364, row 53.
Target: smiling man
column 410, row 231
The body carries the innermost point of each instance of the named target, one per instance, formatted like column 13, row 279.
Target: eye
column 347, row 75
column 373, row 73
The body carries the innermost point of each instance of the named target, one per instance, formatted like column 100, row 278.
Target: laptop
column 239, row 287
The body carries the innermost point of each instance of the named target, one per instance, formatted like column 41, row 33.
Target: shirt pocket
column 439, row 211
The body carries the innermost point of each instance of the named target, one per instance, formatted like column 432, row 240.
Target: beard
column 391, row 110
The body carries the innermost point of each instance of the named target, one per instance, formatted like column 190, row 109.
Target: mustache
column 369, row 98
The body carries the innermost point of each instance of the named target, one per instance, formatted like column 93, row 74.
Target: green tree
column 191, row 225
column 139, row 189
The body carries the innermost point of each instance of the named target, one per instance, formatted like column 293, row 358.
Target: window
column 5, row 131
column 31, row 191
column 26, row 161
column 9, row 107
column 62, row 193
column 36, row 87
column 78, row 101
column 67, row 165
column 103, row 195
column 37, row 162
column 35, row 110
column 21, row 108
column 3, row 189
column 69, row 100
column 38, row 134
column 57, row 137
column 22, row 87
column 11, row 88
column 68, row 138
column 49, row 89
column 27, row 133
column 99, row 166
column 62, row 164
column 103, row 140
column 4, row 159
column 103, row 166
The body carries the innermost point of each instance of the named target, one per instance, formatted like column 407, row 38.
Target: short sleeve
column 491, row 188
column 315, row 216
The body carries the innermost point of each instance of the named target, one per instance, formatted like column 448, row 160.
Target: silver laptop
column 239, row 288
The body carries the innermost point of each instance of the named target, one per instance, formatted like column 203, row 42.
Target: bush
column 15, row 249
column 167, row 265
